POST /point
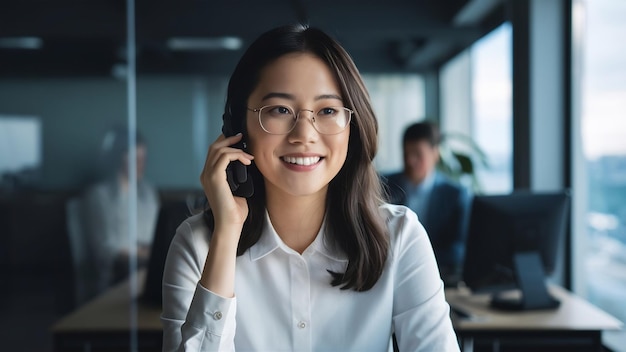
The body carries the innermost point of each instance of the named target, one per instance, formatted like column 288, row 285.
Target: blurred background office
column 537, row 87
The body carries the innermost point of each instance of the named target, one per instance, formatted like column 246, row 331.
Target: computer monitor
column 512, row 242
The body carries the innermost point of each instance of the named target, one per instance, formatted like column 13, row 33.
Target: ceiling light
column 30, row 43
column 202, row 44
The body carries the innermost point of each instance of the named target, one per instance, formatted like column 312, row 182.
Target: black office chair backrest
column 171, row 215
column 84, row 267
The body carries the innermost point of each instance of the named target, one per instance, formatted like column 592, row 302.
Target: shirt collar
column 429, row 182
column 270, row 241
column 425, row 186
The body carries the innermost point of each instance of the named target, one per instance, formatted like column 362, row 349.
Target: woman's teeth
column 302, row 161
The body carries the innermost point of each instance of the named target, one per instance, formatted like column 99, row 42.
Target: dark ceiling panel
column 88, row 37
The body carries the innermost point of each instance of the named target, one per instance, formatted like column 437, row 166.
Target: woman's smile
column 302, row 161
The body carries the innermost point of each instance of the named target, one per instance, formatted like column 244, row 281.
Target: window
column 20, row 150
column 600, row 239
column 398, row 100
column 476, row 88
column 492, row 114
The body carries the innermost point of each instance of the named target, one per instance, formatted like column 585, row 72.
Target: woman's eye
column 283, row 110
column 279, row 111
column 327, row 112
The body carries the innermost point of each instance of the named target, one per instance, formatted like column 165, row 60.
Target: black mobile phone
column 237, row 173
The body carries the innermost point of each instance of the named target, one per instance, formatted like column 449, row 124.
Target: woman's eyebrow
column 278, row 95
column 328, row 96
column 292, row 97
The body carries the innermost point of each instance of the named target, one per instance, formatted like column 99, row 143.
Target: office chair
column 84, row 269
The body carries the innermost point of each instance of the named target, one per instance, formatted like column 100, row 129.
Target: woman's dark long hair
column 355, row 194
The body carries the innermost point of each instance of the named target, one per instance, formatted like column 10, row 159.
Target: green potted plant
column 459, row 156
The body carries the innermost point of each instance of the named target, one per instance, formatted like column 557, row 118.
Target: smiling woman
column 292, row 266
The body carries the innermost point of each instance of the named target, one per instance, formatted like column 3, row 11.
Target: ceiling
column 88, row 38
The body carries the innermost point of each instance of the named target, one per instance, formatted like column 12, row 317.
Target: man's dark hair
column 423, row 131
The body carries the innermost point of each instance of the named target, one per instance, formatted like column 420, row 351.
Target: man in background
column 441, row 205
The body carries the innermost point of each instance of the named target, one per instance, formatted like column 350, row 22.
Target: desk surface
column 111, row 312
column 574, row 313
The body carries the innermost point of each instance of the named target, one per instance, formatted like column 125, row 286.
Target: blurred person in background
column 441, row 204
column 106, row 210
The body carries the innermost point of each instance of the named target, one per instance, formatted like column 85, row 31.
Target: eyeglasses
column 281, row 119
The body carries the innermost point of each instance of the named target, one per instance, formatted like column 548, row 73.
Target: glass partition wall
column 61, row 96
column 96, row 138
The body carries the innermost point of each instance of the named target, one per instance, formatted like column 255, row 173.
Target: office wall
column 75, row 114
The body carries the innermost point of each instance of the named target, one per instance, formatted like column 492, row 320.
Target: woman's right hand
column 229, row 212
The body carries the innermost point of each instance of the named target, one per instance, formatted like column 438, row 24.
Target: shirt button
column 217, row 315
column 302, row 325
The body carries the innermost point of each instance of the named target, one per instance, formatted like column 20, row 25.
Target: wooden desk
column 104, row 324
column 576, row 325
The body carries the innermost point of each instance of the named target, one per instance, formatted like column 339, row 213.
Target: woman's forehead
column 296, row 75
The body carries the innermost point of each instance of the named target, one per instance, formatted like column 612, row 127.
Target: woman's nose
column 304, row 131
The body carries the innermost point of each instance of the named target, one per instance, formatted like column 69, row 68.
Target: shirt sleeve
column 421, row 315
column 194, row 318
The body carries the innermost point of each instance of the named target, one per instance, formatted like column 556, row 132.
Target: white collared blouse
column 284, row 301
